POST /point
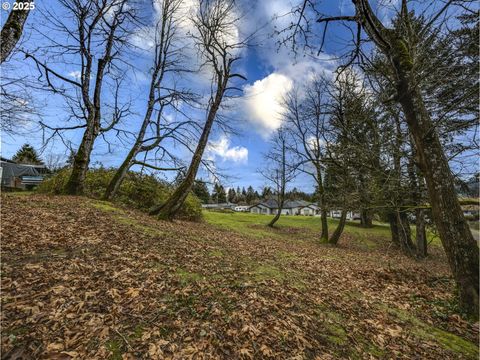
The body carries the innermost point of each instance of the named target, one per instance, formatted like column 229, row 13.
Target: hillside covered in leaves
column 82, row 279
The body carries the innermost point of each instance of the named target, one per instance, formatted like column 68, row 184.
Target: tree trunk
column 339, row 230
column 169, row 209
column 119, row 175
column 162, row 48
column 365, row 214
column 416, row 189
column 76, row 182
column 323, row 209
column 366, row 220
column 400, row 231
column 12, row 30
column 421, row 234
column 277, row 216
column 392, row 220
column 282, row 185
column 405, row 233
column 455, row 234
column 324, row 220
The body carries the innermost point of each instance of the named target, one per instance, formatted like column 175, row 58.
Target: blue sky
column 270, row 70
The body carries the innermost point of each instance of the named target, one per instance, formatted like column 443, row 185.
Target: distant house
column 295, row 207
column 470, row 210
column 219, row 206
column 241, row 208
column 20, row 176
column 351, row 215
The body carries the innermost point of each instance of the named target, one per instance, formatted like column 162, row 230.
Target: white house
column 351, row 215
column 241, row 208
column 219, row 206
column 296, row 207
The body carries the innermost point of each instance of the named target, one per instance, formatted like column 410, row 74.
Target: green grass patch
column 115, row 346
column 121, row 218
column 137, row 332
column 333, row 324
column 308, row 227
column 142, row 228
column 260, row 272
column 427, row 332
column 268, row 272
column 105, row 206
column 187, row 277
column 285, row 256
column 216, row 253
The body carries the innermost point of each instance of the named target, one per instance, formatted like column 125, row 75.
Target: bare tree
column 97, row 31
column 216, row 37
column 167, row 64
column 16, row 102
column 13, row 28
column 307, row 117
column 16, row 105
column 400, row 45
column 279, row 169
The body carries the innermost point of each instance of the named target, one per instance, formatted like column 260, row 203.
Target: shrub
column 191, row 209
column 54, row 184
column 137, row 191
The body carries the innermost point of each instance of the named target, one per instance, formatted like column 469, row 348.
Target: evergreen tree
column 232, row 195
column 250, row 195
column 266, row 192
column 27, row 155
column 238, row 195
column 200, row 189
column 219, row 195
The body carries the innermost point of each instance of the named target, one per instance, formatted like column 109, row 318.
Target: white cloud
column 75, row 74
column 284, row 69
column 221, row 148
column 264, row 102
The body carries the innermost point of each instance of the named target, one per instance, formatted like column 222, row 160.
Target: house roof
column 289, row 204
column 219, row 205
column 11, row 170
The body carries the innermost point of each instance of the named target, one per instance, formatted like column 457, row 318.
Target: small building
column 351, row 215
column 241, row 208
column 470, row 211
column 219, row 206
column 20, row 176
column 295, row 207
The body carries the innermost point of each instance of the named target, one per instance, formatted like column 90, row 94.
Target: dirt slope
column 82, row 279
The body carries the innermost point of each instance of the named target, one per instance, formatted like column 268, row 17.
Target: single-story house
column 295, row 207
column 219, row 206
column 470, row 210
column 241, row 208
column 20, row 176
column 351, row 215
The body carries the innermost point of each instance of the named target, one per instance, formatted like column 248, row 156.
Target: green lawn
column 294, row 226
column 254, row 225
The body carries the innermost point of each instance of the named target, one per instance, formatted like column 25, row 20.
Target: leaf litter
column 83, row 282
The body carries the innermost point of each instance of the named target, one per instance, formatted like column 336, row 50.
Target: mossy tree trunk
column 12, row 29
column 339, row 230
column 76, row 182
